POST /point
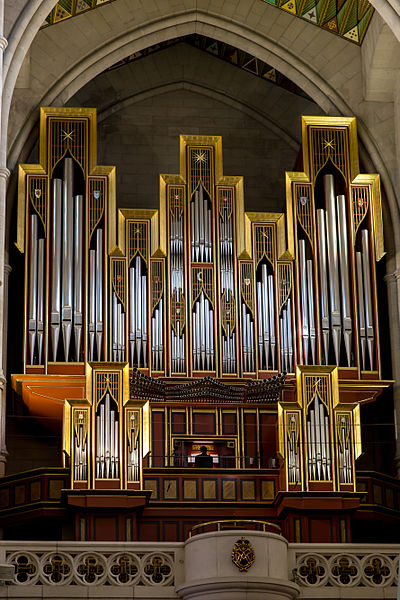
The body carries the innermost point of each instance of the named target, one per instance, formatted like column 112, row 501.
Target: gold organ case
column 273, row 312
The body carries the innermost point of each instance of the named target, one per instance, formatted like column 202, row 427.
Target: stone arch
column 190, row 21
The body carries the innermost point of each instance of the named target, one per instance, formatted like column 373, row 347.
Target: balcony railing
column 336, row 568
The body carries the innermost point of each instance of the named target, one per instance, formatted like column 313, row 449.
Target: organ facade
column 151, row 334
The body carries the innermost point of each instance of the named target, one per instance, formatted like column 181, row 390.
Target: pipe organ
column 203, row 302
column 320, row 436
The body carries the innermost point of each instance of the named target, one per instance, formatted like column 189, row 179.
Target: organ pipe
column 333, row 262
column 369, row 327
column 138, row 314
column 67, row 254
column 56, row 262
column 107, row 441
column 318, row 442
column 323, row 275
column 32, row 325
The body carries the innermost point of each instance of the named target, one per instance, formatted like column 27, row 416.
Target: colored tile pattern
column 346, row 18
column 228, row 53
column 65, row 9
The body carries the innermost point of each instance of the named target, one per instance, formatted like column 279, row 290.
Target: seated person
column 203, row 460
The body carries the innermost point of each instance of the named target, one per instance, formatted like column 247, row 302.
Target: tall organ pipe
column 67, row 255
column 92, row 304
column 56, row 266
column 331, row 226
column 271, row 317
column 361, row 309
column 323, row 279
column 40, row 300
column 78, row 268
column 33, row 285
column 369, row 326
column 311, row 312
column 99, row 292
column 304, row 299
column 344, row 273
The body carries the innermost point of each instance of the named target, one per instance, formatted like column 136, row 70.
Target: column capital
column 7, row 268
column 4, row 172
column 3, row 43
column 392, row 277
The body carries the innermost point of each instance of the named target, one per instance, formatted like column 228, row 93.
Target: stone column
column 393, row 293
column 4, row 173
column 211, row 573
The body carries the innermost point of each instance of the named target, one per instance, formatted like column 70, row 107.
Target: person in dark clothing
column 203, row 460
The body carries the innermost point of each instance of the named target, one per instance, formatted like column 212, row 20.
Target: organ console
column 201, row 301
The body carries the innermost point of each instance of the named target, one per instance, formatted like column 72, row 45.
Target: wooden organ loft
column 150, row 334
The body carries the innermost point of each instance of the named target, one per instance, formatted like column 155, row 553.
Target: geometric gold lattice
column 317, row 385
column 38, row 187
column 106, row 382
column 264, row 243
column 97, row 192
column 304, row 206
column 360, row 204
column 118, row 279
column 137, row 240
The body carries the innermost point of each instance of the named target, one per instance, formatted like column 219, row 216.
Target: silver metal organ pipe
column 209, row 235
column 311, row 474
column 282, row 343
column 361, row 309
column 160, row 335
column 115, row 328
column 265, row 314
column 304, row 300
column 331, row 226
column 369, row 322
column 318, row 449
column 78, row 275
column 56, row 265
column 323, row 279
column 260, row 324
column 99, row 292
column 311, row 312
column 102, row 452
column 67, row 255
column 203, row 316
column 132, row 314
column 201, row 223
column 196, row 226
column 323, row 442
column 144, row 318
column 196, row 349
column 207, row 336
column 122, row 334
column 271, row 317
column 328, row 451
column 138, row 305
column 344, row 275
column 289, row 337
column 33, row 268
column 245, row 340
column 251, row 342
column 92, row 303
column 154, row 345
column 313, row 444
column 211, row 328
column 107, row 445
column 40, row 299
column 119, row 328
column 112, row 445
column 283, row 340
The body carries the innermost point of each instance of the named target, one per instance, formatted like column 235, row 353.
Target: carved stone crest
column 243, row 554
